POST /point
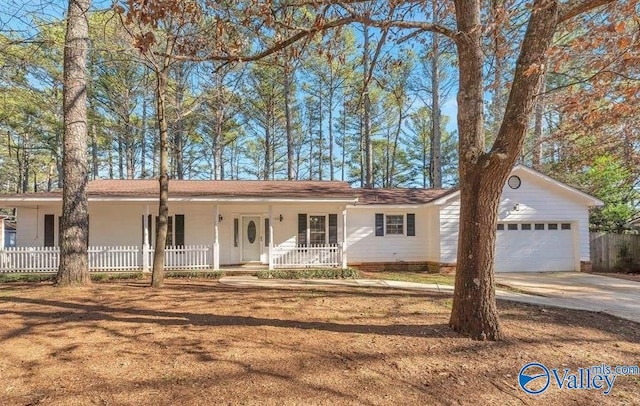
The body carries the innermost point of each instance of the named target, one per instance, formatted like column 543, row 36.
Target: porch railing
column 312, row 256
column 114, row 258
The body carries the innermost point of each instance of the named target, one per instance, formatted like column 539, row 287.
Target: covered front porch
column 202, row 235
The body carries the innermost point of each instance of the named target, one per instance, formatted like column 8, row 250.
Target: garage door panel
column 534, row 250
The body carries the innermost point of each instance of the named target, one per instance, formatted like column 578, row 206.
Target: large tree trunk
column 157, row 275
column 483, row 175
column 74, row 230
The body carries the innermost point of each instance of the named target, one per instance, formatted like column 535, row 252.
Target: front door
column 250, row 239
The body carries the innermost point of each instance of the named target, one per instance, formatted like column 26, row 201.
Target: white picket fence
column 122, row 258
column 312, row 256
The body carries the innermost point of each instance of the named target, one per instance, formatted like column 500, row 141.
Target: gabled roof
column 400, row 196
column 587, row 199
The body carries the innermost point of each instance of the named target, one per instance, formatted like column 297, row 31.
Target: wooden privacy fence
column 614, row 251
column 121, row 258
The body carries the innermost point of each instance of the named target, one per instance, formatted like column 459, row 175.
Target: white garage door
column 535, row 247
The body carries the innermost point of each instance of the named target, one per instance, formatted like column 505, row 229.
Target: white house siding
column 30, row 224
column 433, row 233
column 364, row 246
column 449, row 225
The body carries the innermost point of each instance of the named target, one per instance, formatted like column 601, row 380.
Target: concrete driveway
column 584, row 291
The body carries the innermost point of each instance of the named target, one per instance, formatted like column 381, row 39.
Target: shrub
column 320, row 273
column 110, row 276
column 27, row 277
column 195, row 274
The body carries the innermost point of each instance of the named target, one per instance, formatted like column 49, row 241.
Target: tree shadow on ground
column 63, row 312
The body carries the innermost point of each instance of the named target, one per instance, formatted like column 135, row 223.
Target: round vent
column 514, row 182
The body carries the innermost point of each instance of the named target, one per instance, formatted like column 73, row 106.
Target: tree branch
column 574, row 8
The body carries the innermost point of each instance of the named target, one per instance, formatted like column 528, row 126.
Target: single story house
column 543, row 225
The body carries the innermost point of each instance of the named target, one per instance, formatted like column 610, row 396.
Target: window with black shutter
column 333, row 229
column 379, row 224
column 267, row 234
column 411, row 225
column 49, row 227
column 179, row 231
column 302, row 230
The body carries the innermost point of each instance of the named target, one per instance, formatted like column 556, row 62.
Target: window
column 512, row 226
column 539, row 226
column 565, row 226
column 395, row 224
column 49, row 225
column 317, row 229
column 500, row 226
column 525, row 227
column 552, row 226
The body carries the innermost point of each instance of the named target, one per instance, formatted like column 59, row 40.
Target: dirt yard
column 196, row 342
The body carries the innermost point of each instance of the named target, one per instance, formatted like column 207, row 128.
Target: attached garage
column 543, row 225
column 540, row 246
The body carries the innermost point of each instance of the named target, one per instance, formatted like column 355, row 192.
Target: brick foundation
column 402, row 266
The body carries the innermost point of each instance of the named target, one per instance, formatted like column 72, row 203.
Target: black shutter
column 333, row 229
column 302, row 230
column 267, row 234
column 235, row 232
column 411, row 225
column 379, row 224
column 169, row 232
column 149, row 217
column 49, row 226
column 179, row 233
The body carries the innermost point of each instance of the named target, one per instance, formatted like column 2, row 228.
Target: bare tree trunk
column 143, row 140
column 94, row 152
column 179, row 133
column 331, row 89
column 368, row 147
column 435, row 164
column 74, row 228
column 157, row 275
column 287, row 117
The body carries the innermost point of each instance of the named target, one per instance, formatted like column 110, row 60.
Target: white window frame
column 404, row 224
column 326, row 227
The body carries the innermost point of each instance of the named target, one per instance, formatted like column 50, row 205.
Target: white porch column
column 270, row 237
column 344, row 239
column 145, row 242
column 216, row 239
